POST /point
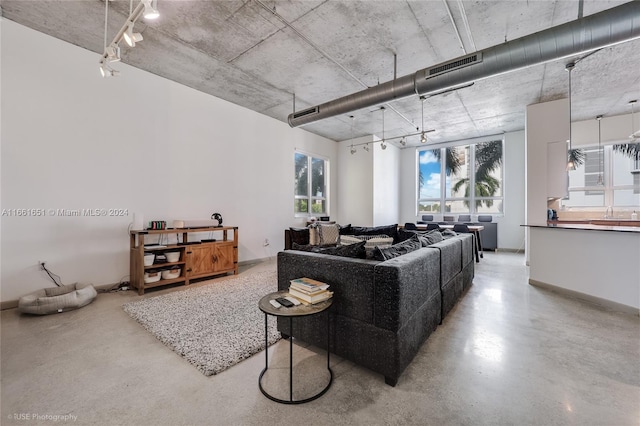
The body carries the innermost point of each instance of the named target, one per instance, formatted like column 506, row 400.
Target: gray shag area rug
column 213, row 326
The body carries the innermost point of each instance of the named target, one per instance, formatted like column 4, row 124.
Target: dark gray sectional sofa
column 382, row 311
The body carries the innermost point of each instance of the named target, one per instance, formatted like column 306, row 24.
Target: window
column 606, row 177
column 310, row 188
column 469, row 182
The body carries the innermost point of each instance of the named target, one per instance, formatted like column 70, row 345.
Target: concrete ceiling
column 258, row 53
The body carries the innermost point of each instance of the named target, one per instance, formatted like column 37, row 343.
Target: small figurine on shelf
column 218, row 217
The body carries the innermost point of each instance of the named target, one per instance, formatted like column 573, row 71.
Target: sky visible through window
column 430, row 171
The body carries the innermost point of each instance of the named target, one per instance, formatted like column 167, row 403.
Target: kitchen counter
column 600, row 266
column 593, row 225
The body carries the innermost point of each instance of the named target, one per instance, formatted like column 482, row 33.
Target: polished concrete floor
column 508, row 354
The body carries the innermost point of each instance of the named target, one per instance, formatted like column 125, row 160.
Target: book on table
column 310, row 298
column 308, row 285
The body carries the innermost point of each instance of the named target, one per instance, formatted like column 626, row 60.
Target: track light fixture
column 366, row 147
column 383, row 145
column 146, row 8
column 353, row 150
column 113, row 53
column 150, row 9
column 131, row 37
column 570, row 164
column 403, row 142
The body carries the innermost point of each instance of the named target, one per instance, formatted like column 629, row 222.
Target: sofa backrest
column 350, row 279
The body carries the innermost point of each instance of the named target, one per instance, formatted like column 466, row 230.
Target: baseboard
column 509, row 250
column 608, row 304
column 11, row 304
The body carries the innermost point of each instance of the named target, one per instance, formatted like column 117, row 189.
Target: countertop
column 588, row 226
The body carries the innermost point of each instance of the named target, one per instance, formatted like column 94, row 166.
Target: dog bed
column 57, row 299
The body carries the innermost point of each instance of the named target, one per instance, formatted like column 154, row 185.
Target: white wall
column 355, row 189
column 386, row 185
column 73, row 140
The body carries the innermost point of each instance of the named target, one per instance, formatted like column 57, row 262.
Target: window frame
column 472, row 199
column 310, row 197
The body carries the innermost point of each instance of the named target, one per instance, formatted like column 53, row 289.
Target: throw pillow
column 346, row 240
column 299, row 235
column 328, row 234
column 345, row 229
column 314, row 234
column 412, row 244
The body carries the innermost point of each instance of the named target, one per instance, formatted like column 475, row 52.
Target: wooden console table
column 198, row 259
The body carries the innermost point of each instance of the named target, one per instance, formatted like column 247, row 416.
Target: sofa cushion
column 352, row 250
column 407, row 246
column 299, row 235
column 372, row 241
column 328, row 234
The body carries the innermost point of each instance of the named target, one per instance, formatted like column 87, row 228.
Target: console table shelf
column 198, row 259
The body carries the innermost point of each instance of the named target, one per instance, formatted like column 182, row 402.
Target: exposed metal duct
column 612, row 26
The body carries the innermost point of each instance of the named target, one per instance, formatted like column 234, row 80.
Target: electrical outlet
column 266, row 242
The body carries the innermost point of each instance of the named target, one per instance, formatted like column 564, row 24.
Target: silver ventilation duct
column 612, row 26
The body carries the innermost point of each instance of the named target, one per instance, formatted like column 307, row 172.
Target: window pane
column 584, row 199
column 621, row 168
column 457, row 171
column 456, row 206
column 301, row 206
column 301, row 175
column 317, row 177
column 489, row 206
column 318, row 206
column 425, row 207
column 626, row 197
column 488, row 170
column 429, row 179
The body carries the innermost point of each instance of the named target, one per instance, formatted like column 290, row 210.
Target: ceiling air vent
column 306, row 112
column 455, row 64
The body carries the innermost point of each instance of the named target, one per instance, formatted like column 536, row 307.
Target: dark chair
column 464, row 218
column 485, row 218
column 431, row 226
column 427, row 217
column 449, row 219
column 410, row 226
column 461, row 228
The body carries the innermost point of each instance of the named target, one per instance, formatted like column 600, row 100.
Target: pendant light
column 570, row 164
column 383, row 144
column 423, row 136
column 600, row 174
column 353, row 150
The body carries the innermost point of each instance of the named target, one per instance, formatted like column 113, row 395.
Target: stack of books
column 309, row 291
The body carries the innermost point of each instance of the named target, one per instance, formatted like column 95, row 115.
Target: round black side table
column 292, row 312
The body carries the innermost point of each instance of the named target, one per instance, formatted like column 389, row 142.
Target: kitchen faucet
column 606, row 213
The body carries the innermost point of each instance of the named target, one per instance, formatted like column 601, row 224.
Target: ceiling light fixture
column 150, row 9
column 423, row 136
column 353, row 150
column 600, row 174
column 366, row 147
column 570, row 164
column 107, row 71
column 635, row 135
column 403, row 142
